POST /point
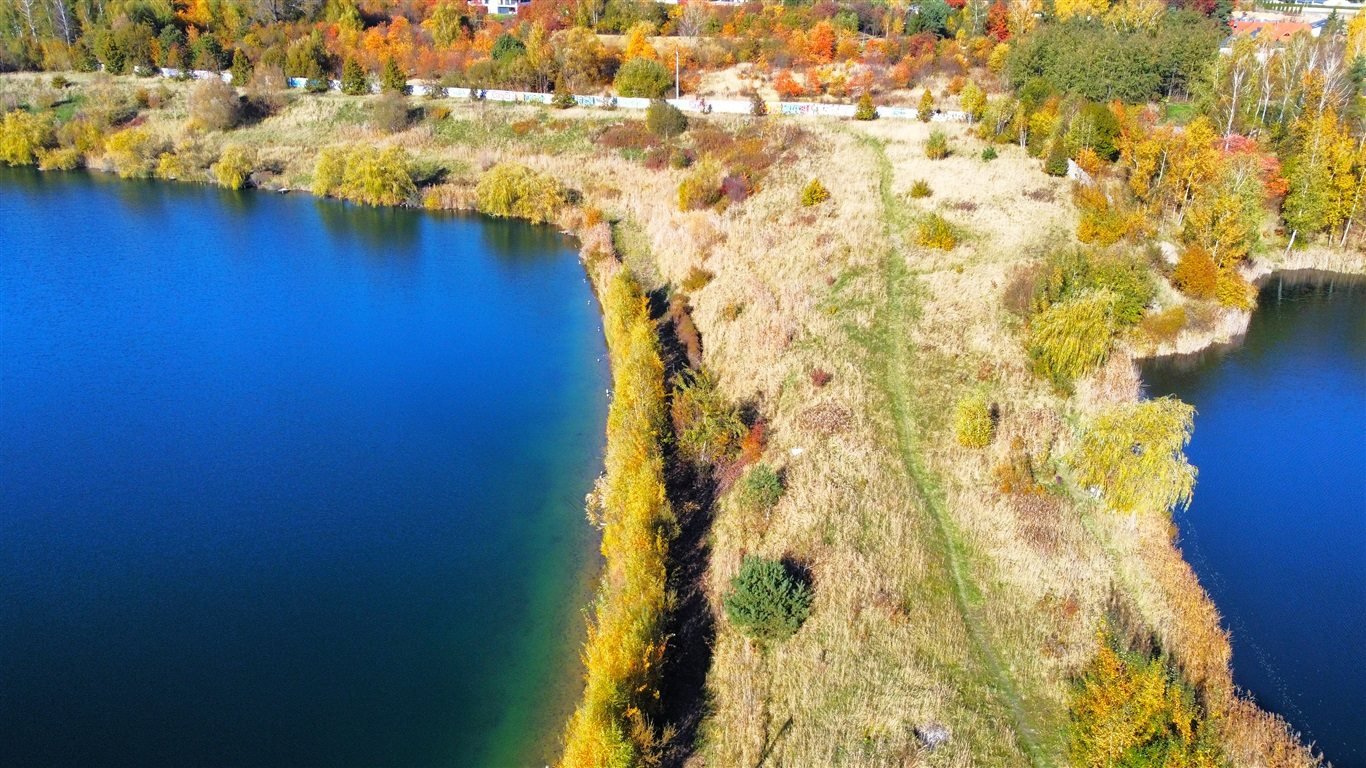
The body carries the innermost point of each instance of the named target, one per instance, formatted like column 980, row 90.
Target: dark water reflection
column 1277, row 531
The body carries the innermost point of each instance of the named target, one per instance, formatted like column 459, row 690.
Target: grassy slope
column 901, row 368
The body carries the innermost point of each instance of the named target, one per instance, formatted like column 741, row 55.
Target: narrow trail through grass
column 894, row 332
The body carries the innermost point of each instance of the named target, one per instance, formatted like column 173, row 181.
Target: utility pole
column 676, row 96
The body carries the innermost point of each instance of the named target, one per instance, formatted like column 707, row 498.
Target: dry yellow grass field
column 939, row 600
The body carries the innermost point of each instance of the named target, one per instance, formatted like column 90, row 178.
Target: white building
column 502, row 7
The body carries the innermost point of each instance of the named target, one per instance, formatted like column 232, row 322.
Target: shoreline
column 1210, row 364
column 1232, row 324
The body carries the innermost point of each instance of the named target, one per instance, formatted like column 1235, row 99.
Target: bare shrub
column 827, row 418
column 214, row 105
column 390, row 112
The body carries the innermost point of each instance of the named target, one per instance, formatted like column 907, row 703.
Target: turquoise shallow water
column 1277, row 531
column 285, row 482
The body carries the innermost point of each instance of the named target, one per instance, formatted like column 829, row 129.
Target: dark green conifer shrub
column 766, row 601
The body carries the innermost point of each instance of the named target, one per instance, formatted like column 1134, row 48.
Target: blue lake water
column 286, row 482
column 1277, row 531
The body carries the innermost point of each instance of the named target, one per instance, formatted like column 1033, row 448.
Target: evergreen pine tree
column 241, row 68
column 353, row 80
column 391, row 78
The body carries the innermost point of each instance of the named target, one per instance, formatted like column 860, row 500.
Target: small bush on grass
column 937, row 145
column 1056, row 162
column 766, row 601
column 761, row 488
column 562, row 99
column 642, row 77
column 814, row 193
column 214, row 105
column 972, row 422
column 696, row 280
column 920, row 189
column 757, row 106
column 935, row 231
column 989, row 154
column 390, row 112
column 665, row 120
column 708, row 428
column 865, row 109
column 701, row 188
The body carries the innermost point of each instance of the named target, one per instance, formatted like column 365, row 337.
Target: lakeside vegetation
column 625, row 649
column 941, row 481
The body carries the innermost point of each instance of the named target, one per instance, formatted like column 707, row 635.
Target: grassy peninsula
column 871, row 493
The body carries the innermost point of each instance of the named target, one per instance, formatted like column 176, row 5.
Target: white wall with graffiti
column 696, row 105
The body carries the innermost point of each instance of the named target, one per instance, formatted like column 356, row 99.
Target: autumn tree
column 1070, row 339
column 1131, row 709
column 450, row 21
column 973, row 100
column 1133, row 453
column 638, row 42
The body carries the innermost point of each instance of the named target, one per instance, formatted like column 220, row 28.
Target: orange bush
column 1196, row 273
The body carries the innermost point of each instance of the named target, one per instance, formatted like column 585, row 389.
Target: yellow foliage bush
column 1133, row 453
column 59, row 159
column 1072, row 338
column 935, row 231
column 234, row 167
column 1196, row 274
column 171, row 166
column 22, row 136
column 1102, row 221
column 515, row 191
column 814, row 193
column 83, row 135
column 133, row 152
column 1233, row 291
column 1165, row 326
column 611, row 726
column 972, row 422
column 700, row 188
column 364, row 174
